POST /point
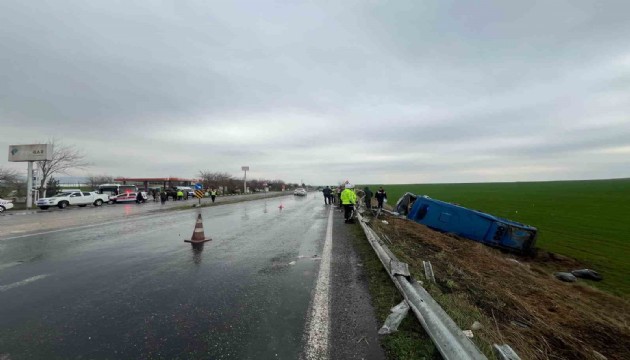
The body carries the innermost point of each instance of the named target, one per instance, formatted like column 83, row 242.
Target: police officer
column 381, row 196
column 348, row 200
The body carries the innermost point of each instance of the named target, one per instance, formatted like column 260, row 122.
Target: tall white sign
column 33, row 152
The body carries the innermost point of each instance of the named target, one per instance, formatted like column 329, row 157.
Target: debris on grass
column 395, row 318
column 520, row 305
column 587, row 274
column 565, row 276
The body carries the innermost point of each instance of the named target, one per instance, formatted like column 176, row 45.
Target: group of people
column 176, row 194
column 346, row 197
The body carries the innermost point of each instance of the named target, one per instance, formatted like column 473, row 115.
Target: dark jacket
column 367, row 192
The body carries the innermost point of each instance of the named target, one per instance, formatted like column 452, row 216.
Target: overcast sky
column 370, row 91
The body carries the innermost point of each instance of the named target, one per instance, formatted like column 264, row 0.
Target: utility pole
column 245, row 169
column 29, row 185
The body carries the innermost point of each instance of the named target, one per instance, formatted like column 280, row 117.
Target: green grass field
column 586, row 220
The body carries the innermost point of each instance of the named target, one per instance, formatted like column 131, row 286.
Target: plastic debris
column 384, row 222
column 469, row 333
column 565, row 276
column 292, row 263
column 587, row 274
column 395, row 318
column 476, row 326
column 428, row 271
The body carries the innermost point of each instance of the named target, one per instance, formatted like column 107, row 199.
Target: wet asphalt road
column 18, row 222
column 134, row 289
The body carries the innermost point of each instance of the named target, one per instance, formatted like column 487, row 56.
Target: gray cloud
column 438, row 91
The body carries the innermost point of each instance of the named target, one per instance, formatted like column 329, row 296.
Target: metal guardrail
column 449, row 339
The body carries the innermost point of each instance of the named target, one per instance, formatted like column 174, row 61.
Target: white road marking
column 23, row 282
column 319, row 322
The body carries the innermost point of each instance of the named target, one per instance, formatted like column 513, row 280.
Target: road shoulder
column 353, row 321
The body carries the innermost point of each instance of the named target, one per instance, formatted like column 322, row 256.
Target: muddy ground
column 516, row 299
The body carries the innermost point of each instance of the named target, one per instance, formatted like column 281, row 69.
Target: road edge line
column 317, row 342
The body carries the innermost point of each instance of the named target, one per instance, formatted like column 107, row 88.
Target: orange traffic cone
column 198, row 236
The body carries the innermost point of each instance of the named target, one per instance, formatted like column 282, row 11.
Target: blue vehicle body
column 472, row 224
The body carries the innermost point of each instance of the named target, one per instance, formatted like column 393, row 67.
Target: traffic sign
column 199, row 194
column 198, row 186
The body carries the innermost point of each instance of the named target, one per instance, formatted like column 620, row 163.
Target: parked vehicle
column 67, row 198
column 121, row 193
column 5, row 205
column 299, row 192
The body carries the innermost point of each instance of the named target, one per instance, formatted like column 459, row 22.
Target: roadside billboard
column 33, row 152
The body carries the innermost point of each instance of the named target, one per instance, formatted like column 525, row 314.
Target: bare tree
column 215, row 179
column 276, row 185
column 9, row 180
column 65, row 157
column 96, row 180
column 8, row 175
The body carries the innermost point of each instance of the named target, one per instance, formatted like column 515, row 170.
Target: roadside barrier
column 449, row 339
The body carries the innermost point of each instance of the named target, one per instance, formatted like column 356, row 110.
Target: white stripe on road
column 23, row 282
column 319, row 322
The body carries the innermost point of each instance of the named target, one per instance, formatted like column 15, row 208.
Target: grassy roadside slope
column 586, row 220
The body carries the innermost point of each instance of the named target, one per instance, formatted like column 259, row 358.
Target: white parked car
column 299, row 192
column 5, row 205
column 65, row 199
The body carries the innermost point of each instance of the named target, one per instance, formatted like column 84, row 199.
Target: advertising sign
column 33, row 152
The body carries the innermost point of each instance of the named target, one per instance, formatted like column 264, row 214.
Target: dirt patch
column 516, row 299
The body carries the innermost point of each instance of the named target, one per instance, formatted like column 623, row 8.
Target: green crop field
column 586, row 220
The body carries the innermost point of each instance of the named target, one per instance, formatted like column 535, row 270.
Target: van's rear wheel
column 98, row 202
column 63, row 205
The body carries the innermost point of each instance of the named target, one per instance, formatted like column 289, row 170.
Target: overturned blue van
column 471, row 224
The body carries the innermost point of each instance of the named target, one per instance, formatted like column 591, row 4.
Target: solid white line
column 23, row 282
column 319, row 324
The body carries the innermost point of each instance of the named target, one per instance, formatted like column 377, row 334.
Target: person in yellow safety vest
column 213, row 194
column 180, row 195
column 348, row 199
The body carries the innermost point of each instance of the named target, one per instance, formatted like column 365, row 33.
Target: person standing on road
column 339, row 191
column 368, row 197
column 327, row 195
column 348, row 200
column 213, row 194
column 163, row 196
column 139, row 198
column 180, row 195
column 381, row 196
